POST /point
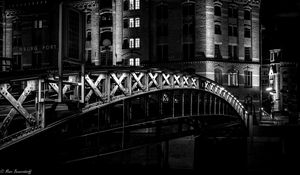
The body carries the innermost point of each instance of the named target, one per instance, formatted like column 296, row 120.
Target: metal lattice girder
column 166, row 81
column 118, row 84
column 94, row 87
column 138, row 82
column 17, row 104
column 153, row 79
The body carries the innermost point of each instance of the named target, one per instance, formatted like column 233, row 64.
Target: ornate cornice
column 11, row 13
column 82, row 5
column 250, row 2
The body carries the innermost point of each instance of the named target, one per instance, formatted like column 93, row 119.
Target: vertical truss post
column 147, row 81
column 173, row 104
column 210, row 104
column 107, row 86
column 215, row 105
column 198, row 104
column 82, row 83
column 41, row 103
column 129, row 83
column 204, row 103
column 182, row 104
column 191, row 104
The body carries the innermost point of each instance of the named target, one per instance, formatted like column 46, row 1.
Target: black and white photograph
column 182, row 87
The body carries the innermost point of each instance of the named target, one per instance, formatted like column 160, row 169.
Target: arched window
column 247, row 14
column 218, row 76
column 125, row 43
column 217, row 10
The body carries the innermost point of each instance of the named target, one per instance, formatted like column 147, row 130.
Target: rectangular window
column 232, row 30
column 247, row 33
column 131, row 22
column 131, row 4
column 217, row 11
column 232, row 12
column 137, row 62
column 137, row 22
column 248, row 78
column 131, row 43
column 89, row 36
column 247, row 15
column 217, row 51
column 137, row 43
column 247, row 54
column 137, row 4
column 233, row 79
column 232, row 52
column 125, row 23
column 38, row 24
column 131, row 62
column 89, row 56
column 218, row 29
column 88, row 19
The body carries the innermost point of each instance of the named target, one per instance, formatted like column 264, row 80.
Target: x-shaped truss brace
column 56, row 89
column 185, row 81
column 166, row 79
column 94, row 87
column 138, row 81
column 118, row 82
column 153, row 79
column 177, row 80
column 17, row 105
column 194, row 82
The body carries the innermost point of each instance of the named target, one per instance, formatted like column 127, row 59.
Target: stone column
column 95, row 35
column 117, row 30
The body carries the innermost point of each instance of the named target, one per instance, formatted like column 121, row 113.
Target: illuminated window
column 248, row 78
column 131, row 22
column 131, row 62
column 38, row 24
column 131, row 43
column 137, row 22
column 137, row 4
column 131, row 4
column 137, row 43
column 137, row 62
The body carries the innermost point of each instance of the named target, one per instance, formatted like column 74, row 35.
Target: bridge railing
column 94, row 89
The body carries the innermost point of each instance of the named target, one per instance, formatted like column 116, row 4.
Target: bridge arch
column 99, row 88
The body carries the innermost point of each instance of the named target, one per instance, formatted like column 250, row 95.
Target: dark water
column 187, row 155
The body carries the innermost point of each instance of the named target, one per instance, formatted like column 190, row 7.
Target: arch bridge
column 151, row 102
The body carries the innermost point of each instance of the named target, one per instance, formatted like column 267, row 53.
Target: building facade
column 283, row 84
column 218, row 39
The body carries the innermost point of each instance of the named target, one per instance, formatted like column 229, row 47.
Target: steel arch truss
column 93, row 90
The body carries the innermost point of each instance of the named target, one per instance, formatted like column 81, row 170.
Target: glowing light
column 269, row 88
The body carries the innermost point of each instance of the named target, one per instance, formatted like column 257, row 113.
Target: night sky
column 281, row 20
